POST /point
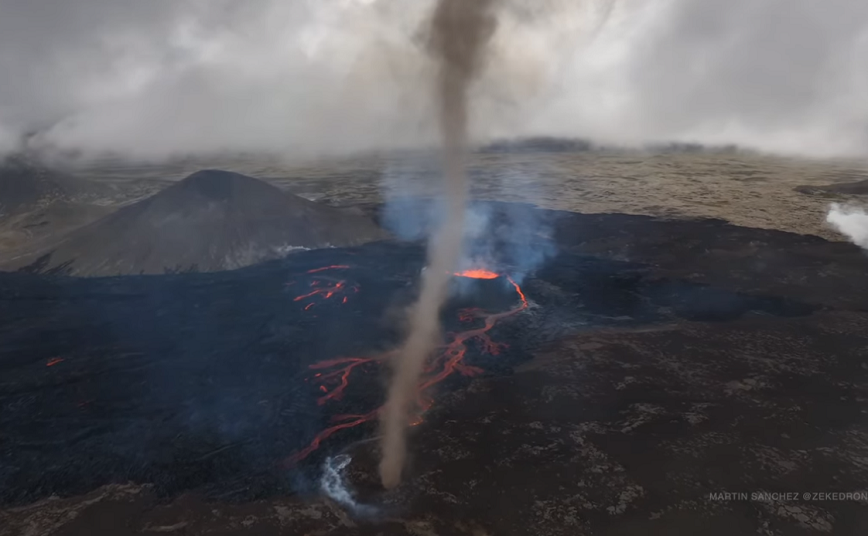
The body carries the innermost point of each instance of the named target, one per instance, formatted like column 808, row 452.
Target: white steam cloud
column 851, row 222
column 166, row 77
column 334, row 486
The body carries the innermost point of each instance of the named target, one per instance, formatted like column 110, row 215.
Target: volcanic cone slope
column 210, row 221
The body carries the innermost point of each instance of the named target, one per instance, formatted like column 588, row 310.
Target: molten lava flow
column 325, row 292
column 347, row 366
column 54, row 361
column 478, row 274
column 453, row 356
column 326, row 287
column 325, row 434
column 448, row 361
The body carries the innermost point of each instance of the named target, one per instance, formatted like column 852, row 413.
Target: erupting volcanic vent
column 478, row 274
column 217, row 382
column 333, row 376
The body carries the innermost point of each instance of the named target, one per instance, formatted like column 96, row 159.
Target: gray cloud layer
column 299, row 76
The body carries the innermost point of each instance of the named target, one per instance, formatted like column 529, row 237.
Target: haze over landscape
column 301, row 77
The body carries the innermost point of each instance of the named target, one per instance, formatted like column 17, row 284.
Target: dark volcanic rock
column 212, row 220
column 847, row 188
column 688, row 386
column 685, row 428
column 707, row 251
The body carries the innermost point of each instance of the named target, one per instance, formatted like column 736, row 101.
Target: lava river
column 333, row 376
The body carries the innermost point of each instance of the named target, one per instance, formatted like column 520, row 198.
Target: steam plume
column 459, row 31
column 851, row 221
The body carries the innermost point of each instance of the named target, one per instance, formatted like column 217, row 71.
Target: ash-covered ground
column 656, row 363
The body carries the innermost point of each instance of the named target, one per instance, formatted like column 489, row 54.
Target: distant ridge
column 859, row 187
column 541, row 144
column 550, row 144
column 212, row 220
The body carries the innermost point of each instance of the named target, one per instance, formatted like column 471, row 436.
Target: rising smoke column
column 459, row 31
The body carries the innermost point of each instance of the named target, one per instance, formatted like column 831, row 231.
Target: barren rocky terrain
column 663, row 358
column 745, row 189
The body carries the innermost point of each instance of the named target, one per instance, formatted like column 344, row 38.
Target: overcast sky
column 161, row 77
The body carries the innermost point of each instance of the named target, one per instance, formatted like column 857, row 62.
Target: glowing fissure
column 478, row 274
column 326, row 288
column 448, row 360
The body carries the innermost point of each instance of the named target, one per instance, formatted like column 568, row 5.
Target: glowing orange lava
column 54, row 361
column 449, row 360
column 347, row 366
column 478, row 274
column 324, row 288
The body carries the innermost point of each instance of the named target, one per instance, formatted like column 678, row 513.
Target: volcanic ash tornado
column 459, row 32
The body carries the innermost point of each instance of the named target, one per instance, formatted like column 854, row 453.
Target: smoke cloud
column 164, row 77
column 851, row 222
column 459, row 32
